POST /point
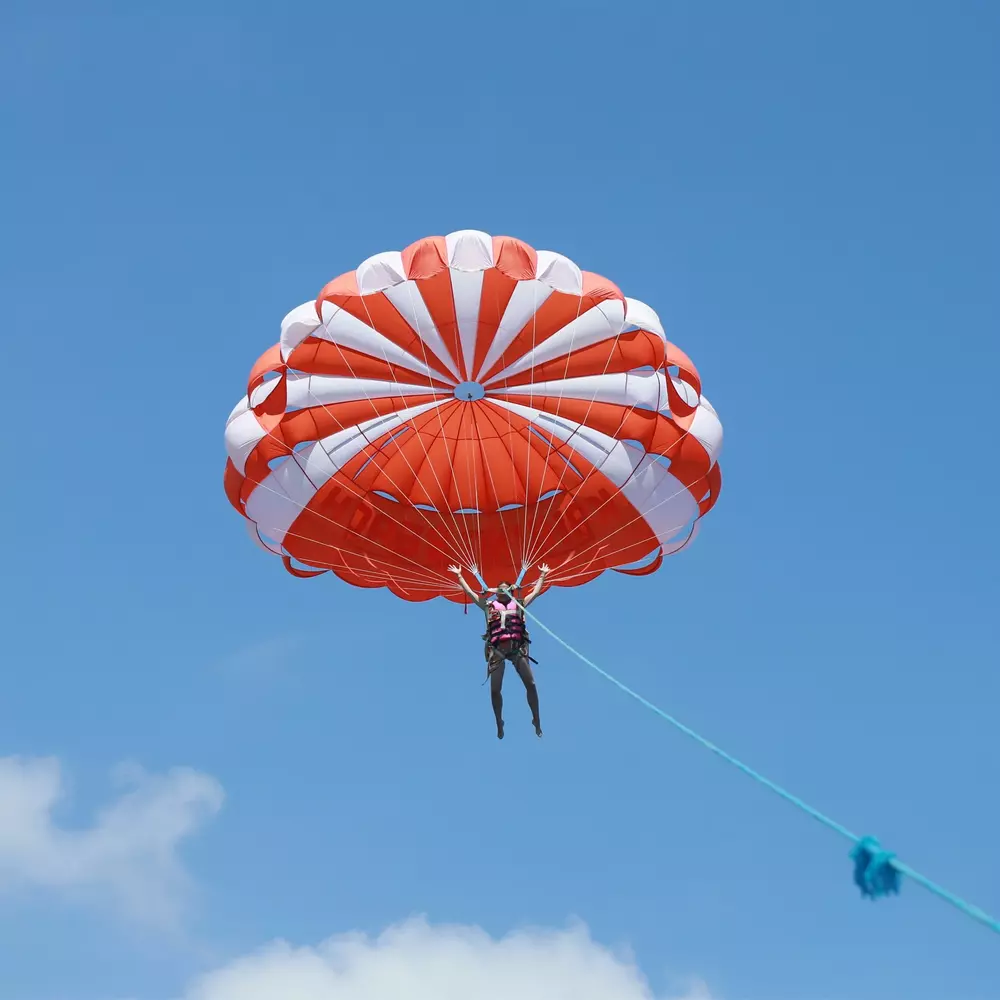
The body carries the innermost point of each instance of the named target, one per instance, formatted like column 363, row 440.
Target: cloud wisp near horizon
column 128, row 856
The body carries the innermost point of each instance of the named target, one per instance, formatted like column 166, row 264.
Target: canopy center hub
column 469, row 391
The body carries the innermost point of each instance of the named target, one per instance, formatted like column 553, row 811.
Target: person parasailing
column 506, row 639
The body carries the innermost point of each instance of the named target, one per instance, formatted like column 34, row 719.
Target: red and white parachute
column 471, row 400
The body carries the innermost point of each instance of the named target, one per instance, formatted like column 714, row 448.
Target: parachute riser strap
column 876, row 872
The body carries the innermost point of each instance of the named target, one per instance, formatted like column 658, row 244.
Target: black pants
column 518, row 655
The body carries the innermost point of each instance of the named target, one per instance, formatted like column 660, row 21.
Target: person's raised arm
column 543, row 572
column 476, row 599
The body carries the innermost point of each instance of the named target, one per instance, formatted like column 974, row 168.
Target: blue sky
column 808, row 196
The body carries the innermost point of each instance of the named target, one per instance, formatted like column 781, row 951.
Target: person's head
column 504, row 589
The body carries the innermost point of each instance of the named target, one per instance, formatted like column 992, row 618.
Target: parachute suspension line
column 877, row 872
column 464, row 413
column 489, row 471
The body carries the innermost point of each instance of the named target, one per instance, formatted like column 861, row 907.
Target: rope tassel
column 874, row 872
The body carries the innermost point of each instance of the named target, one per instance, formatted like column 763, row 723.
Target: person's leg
column 497, row 665
column 523, row 668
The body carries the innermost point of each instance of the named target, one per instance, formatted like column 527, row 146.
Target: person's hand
column 544, row 569
column 457, row 570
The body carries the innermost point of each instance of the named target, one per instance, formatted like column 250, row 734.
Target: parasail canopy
column 471, row 400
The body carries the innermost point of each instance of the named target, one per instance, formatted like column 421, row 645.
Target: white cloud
column 417, row 961
column 128, row 853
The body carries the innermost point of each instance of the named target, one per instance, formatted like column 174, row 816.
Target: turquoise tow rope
column 877, row 872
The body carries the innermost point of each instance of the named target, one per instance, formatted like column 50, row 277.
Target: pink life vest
column 505, row 622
